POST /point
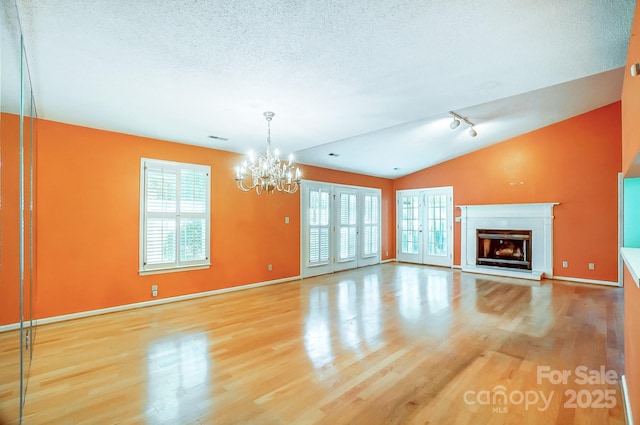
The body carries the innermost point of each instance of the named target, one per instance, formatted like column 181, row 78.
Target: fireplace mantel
column 537, row 217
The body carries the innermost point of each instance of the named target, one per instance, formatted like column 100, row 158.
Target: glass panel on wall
column 17, row 121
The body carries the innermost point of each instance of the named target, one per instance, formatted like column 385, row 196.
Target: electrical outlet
column 565, row 264
column 286, row 220
column 592, row 266
column 154, row 290
column 269, row 267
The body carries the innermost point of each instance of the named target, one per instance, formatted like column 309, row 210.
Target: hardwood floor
column 387, row 344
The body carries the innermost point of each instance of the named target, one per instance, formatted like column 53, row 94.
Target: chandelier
column 267, row 173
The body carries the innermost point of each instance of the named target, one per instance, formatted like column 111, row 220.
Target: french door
column 425, row 226
column 340, row 227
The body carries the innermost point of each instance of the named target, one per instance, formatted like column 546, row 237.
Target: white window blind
column 318, row 227
column 370, row 225
column 348, row 226
column 174, row 216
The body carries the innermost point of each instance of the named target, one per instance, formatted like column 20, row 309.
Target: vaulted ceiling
column 369, row 81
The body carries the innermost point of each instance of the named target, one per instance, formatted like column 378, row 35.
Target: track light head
column 456, row 122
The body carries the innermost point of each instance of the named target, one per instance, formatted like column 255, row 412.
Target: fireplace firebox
column 504, row 248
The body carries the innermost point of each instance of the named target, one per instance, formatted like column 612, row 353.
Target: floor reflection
column 409, row 297
column 351, row 316
column 419, row 294
column 371, row 311
column 437, row 293
column 317, row 336
column 178, row 378
column 350, row 323
column 358, row 326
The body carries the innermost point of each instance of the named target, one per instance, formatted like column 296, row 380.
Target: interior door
column 409, row 229
column 369, row 228
column 340, row 227
column 316, row 229
column 438, row 229
column 425, row 226
column 346, row 228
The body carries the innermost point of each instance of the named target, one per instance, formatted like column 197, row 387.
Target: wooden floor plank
column 386, row 344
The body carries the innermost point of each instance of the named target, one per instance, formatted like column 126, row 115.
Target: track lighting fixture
column 456, row 122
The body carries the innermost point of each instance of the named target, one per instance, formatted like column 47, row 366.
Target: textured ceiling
column 371, row 81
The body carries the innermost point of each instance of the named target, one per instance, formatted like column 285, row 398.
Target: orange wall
column 575, row 162
column 10, row 220
column 630, row 149
column 88, row 220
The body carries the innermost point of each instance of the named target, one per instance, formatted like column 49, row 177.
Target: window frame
column 178, row 265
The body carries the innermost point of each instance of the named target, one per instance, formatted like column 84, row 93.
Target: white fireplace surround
column 536, row 217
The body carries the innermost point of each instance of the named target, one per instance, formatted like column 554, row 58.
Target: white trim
column 124, row 307
column 631, row 257
column 625, row 400
column 10, row 327
column 389, row 260
column 173, row 269
column 579, row 280
column 620, row 228
column 505, row 272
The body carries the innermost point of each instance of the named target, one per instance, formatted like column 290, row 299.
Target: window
column 174, row 216
column 318, row 227
column 348, row 226
column 370, row 226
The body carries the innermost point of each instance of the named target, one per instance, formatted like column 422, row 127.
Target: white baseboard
column 10, row 327
column 625, row 400
column 388, row 260
column 81, row 314
column 595, row 282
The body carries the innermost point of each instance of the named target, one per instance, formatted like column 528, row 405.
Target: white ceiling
column 369, row 80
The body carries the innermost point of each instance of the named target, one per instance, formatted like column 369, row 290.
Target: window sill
column 173, row 269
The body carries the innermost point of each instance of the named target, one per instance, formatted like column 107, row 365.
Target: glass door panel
column 425, row 226
column 409, row 227
column 439, row 226
column 346, row 236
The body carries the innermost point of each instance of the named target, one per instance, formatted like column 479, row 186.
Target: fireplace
column 526, row 254
column 504, row 248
